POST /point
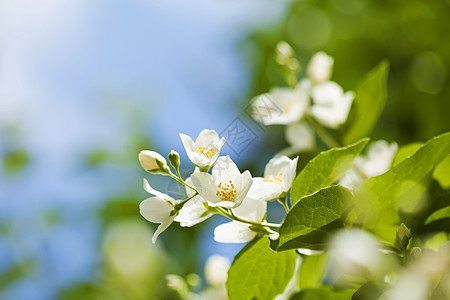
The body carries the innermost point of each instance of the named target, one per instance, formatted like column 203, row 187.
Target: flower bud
column 284, row 53
column 174, row 159
column 152, row 161
column 320, row 68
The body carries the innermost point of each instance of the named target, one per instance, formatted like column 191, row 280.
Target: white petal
column 188, row 144
column 148, row 160
column 225, row 169
column 207, row 138
column 233, row 232
column 242, row 182
column 155, row 209
column 264, row 190
column 300, row 136
column 206, row 187
column 193, row 212
column 252, row 210
column 163, row 226
column 320, row 67
column 152, row 191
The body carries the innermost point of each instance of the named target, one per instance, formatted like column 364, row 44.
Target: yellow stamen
column 276, row 179
column 208, row 154
column 227, row 191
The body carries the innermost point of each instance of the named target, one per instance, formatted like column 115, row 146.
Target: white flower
column 278, row 177
column 377, row 161
column 194, row 211
column 320, row 67
column 216, row 269
column 158, row 209
column 355, row 252
column 206, row 148
column 237, row 232
column 300, row 136
column 331, row 106
column 148, row 160
column 226, row 187
column 280, row 106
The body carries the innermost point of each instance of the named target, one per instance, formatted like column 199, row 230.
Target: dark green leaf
column 310, row 221
column 325, row 169
column 258, row 272
column 368, row 105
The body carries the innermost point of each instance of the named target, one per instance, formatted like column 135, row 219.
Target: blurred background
column 84, row 86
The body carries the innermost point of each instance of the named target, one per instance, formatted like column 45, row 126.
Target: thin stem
column 180, row 205
column 181, row 180
column 323, row 134
column 283, row 201
column 236, row 218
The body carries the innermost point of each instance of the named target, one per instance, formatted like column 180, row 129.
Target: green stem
column 323, row 134
column 232, row 216
column 180, row 205
column 283, row 201
column 181, row 180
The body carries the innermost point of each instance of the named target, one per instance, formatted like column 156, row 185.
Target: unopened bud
column 174, row 159
column 152, row 161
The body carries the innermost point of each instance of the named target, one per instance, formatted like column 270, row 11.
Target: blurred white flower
column 320, row 67
column 330, row 105
column 237, row 232
column 216, row 269
column 226, row 187
column 300, row 136
column 377, row 161
column 195, row 210
column 206, row 148
column 278, row 177
column 149, row 160
column 280, row 106
column 158, row 209
column 354, row 252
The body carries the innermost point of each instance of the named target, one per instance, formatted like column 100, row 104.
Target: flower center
column 276, row 179
column 208, row 154
column 227, row 191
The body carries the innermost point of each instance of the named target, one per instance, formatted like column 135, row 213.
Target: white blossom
column 226, row 186
column 320, row 67
column 158, row 209
column 206, row 148
column 330, row 105
column 278, row 177
column 280, row 106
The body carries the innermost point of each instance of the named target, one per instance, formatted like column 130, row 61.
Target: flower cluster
column 224, row 190
column 313, row 101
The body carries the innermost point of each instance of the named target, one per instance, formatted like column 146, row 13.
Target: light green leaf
column 405, row 151
column 310, row 221
column 324, row 169
column 442, row 173
column 379, row 198
column 258, row 272
column 323, row 293
column 311, row 270
column 442, row 213
column 368, row 105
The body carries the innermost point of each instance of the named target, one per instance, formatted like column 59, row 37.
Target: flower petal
column 262, row 190
column 155, row 209
column 193, row 212
column 206, row 187
column 163, row 226
column 252, row 210
column 242, row 182
column 233, row 232
column 152, row 191
column 207, row 138
column 225, row 169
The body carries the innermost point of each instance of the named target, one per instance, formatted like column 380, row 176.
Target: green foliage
column 442, row 173
column 258, row 272
column 309, row 223
column 312, row 270
column 325, row 169
column 323, row 293
column 368, row 105
column 442, row 213
column 380, row 198
column 405, row 151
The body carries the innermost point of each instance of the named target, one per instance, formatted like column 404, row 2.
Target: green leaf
column 379, row 198
column 311, row 270
column 323, row 293
column 258, row 272
column 310, row 221
column 442, row 173
column 442, row 213
column 405, row 152
column 368, row 105
column 325, row 169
